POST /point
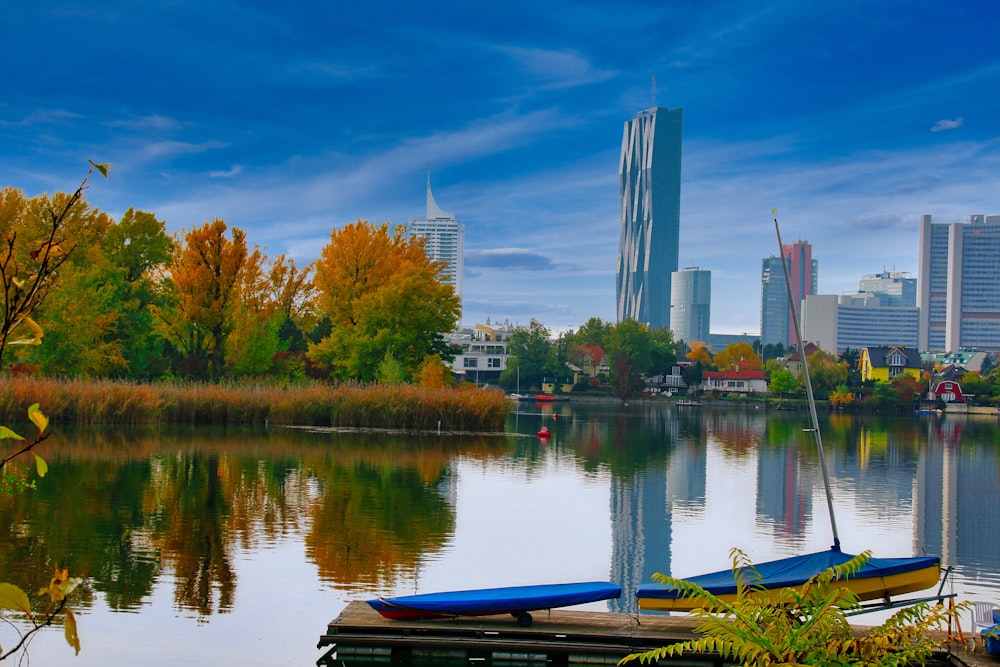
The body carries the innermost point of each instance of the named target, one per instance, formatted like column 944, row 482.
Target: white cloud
column 945, row 124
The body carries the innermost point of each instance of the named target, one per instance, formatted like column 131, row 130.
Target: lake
column 207, row 547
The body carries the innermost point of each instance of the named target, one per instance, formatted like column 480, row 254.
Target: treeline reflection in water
column 177, row 519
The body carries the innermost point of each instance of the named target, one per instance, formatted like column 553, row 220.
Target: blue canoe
column 991, row 635
column 880, row 578
column 515, row 600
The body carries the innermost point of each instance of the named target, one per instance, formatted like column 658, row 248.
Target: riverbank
column 407, row 407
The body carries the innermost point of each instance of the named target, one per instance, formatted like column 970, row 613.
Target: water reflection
column 619, row 492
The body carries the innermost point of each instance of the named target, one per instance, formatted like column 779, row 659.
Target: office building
column 445, row 239
column 690, row 304
column 856, row 320
column 776, row 325
column 956, row 284
column 894, row 288
column 649, row 183
column 881, row 312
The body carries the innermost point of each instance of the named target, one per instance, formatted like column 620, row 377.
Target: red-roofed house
column 735, row 382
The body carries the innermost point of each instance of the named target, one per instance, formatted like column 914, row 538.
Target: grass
column 406, row 407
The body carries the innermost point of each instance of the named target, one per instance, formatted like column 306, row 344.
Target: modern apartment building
column 957, row 290
column 776, row 325
column 445, row 239
column 690, row 304
column 649, row 183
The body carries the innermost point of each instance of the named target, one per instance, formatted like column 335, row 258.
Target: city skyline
column 289, row 121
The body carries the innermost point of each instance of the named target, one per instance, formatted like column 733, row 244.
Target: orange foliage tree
column 204, row 274
column 383, row 296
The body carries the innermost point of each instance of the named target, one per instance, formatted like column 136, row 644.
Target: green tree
column 630, row 355
column 826, row 372
column 783, row 382
column 382, row 294
column 532, row 357
column 851, row 356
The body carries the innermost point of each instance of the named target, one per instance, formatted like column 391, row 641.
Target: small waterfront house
column 886, row 362
column 948, row 391
column 735, row 382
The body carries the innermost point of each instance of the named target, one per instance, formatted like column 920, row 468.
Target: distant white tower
column 445, row 239
column 690, row 304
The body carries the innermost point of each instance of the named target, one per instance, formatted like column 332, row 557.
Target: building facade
column 776, row 325
column 956, row 284
column 444, row 240
column 882, row 312
column 690, row 304
column 895, row 288
column 649, row 184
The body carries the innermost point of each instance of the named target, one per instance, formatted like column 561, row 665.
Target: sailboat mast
column 809, row 390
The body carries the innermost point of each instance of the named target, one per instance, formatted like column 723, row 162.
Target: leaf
column 13, row 598
column 72, row 638
column 7, row 434
column 41, row 466
column 38, row 418
column 102, row 167
column 36, row 332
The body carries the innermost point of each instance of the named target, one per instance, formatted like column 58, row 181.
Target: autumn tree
column 906, row 389
column 738, row 356
column 701, row 353
column 204, row 275
column 33, row 246
column 825, row 372
column 382, row 295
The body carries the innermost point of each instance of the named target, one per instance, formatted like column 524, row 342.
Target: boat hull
column 881, row 578
column 488, row 601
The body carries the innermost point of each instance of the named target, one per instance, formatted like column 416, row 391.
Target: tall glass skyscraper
column 445, row 240
column 956, row 284
column 776, row 324
column 649, row 183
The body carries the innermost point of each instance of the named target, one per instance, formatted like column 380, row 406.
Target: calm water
column 208, row 547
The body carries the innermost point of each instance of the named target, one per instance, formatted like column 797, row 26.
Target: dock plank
column 573, row 637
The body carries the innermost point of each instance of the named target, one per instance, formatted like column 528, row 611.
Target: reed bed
column 404, row 407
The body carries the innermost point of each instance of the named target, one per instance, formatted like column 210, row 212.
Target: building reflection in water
column 938, row 482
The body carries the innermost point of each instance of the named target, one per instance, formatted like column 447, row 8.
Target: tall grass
column 404, row 407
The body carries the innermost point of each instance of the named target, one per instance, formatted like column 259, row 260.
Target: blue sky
column 290, row 119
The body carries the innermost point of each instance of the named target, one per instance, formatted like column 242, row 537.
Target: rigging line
column 809, row 391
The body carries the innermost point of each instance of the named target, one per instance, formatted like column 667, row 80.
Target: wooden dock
column 557, row 638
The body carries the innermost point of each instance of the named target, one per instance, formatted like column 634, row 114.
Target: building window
column 493, row 362
column 471, row 362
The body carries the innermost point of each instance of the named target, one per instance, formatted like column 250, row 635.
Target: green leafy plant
column 12, row 597
column 804, row 626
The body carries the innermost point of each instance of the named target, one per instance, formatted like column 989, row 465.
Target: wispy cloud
column 946, row 124
column 228, row 173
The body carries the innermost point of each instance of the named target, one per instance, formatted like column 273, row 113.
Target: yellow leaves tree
column 204, row 274
column 700, row 352
column 738, row 356
column 383, row 296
